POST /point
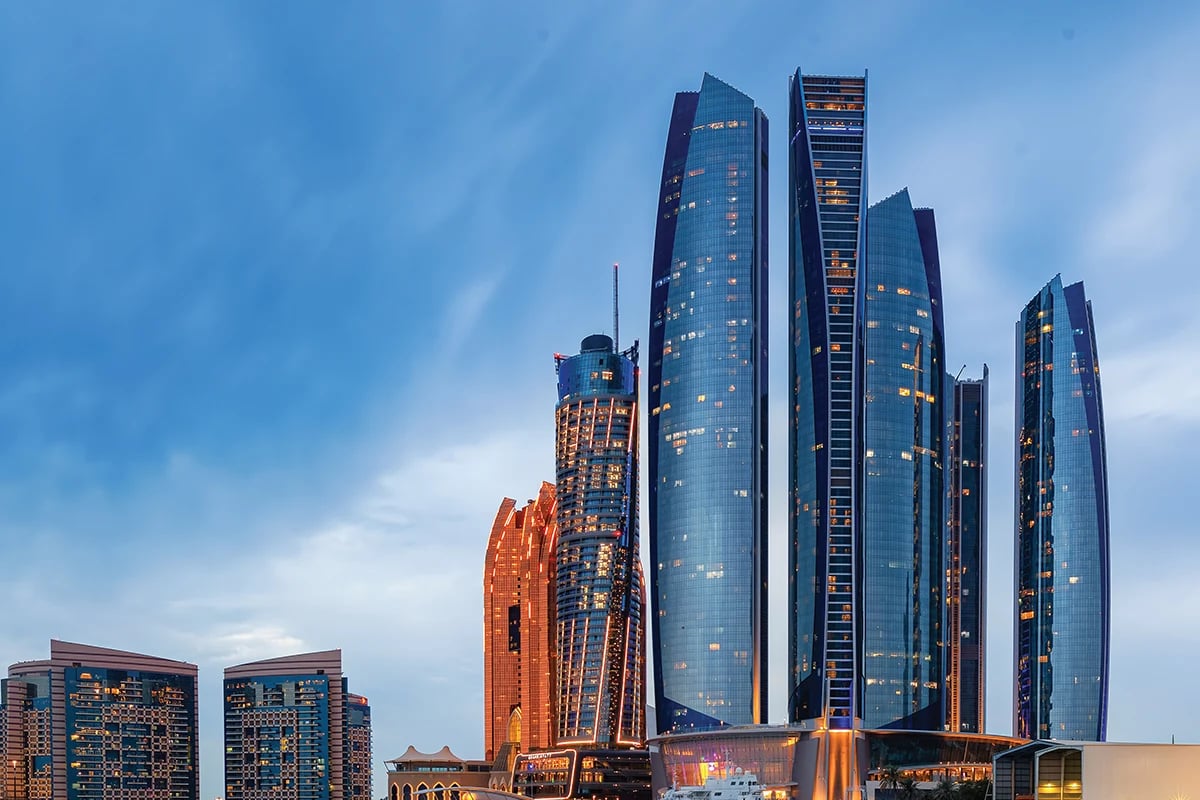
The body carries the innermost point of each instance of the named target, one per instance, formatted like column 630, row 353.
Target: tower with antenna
column 616, row 310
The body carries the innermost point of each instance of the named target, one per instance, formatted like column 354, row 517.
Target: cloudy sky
column 280, row 285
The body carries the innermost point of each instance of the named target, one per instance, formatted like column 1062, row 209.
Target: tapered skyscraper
column 901, row 533
column 966, row 568
column 708, row 384
column 600, row 590
column 827, row 203
column 1062, row 556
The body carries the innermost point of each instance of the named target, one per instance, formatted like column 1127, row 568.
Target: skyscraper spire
column 616, row 309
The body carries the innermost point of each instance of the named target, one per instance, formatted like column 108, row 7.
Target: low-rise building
column 434, row 776
column 1065, row 770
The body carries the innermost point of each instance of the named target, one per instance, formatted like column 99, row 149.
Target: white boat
column 738, row 785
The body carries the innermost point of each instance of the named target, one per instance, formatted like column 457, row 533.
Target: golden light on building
column 519, row 619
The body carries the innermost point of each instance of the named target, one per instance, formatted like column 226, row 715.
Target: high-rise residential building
column 357, row 746
column 966, row 569
column 599, row 586
column 292, row 729
column 518, row 639
column 901, row 531
column 827, row 202
column 708, row 415
column 1062, row 549
column 91, row 723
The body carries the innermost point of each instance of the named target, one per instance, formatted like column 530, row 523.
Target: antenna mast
column 616, row 313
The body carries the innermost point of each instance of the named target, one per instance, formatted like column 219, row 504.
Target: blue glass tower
column 902, row 520
column 708, row 425
column 1062, row 556
column 966, row 569
column 827, row 204
column 600, row 590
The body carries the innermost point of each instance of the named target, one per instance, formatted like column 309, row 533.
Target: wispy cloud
column 287, row 290
column 1154, row 381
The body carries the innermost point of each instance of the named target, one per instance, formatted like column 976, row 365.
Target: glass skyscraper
column 901, row 532
column 92, row 723
column 966, row 587
column 600, row 591
column 292, row 729
column 827, row 203
column 1062, row 556
column 708, row 386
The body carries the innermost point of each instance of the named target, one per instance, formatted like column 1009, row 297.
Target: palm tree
column 946, row 789
column 973, row 790
column 890, row 779
column 908, row 788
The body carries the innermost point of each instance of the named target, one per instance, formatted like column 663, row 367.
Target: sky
column 280, row 286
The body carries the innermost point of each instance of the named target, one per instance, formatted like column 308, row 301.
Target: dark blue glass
column 903, row 494
column 827, row 200
column 707, row 447
column 966, row 588
column 1062, row 558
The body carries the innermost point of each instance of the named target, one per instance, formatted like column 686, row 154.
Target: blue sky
column 280, row 285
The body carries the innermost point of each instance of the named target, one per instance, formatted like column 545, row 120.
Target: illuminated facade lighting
column 600, row 594
column 519, row 653
column 92, row 723
column 1062, row 540
column 708, row 445
column 292, row 729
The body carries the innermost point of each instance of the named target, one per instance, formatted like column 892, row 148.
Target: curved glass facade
column 599, row 588
column 903, row 496
column 707, row 448
column 1061, row 560
column 827, row 204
